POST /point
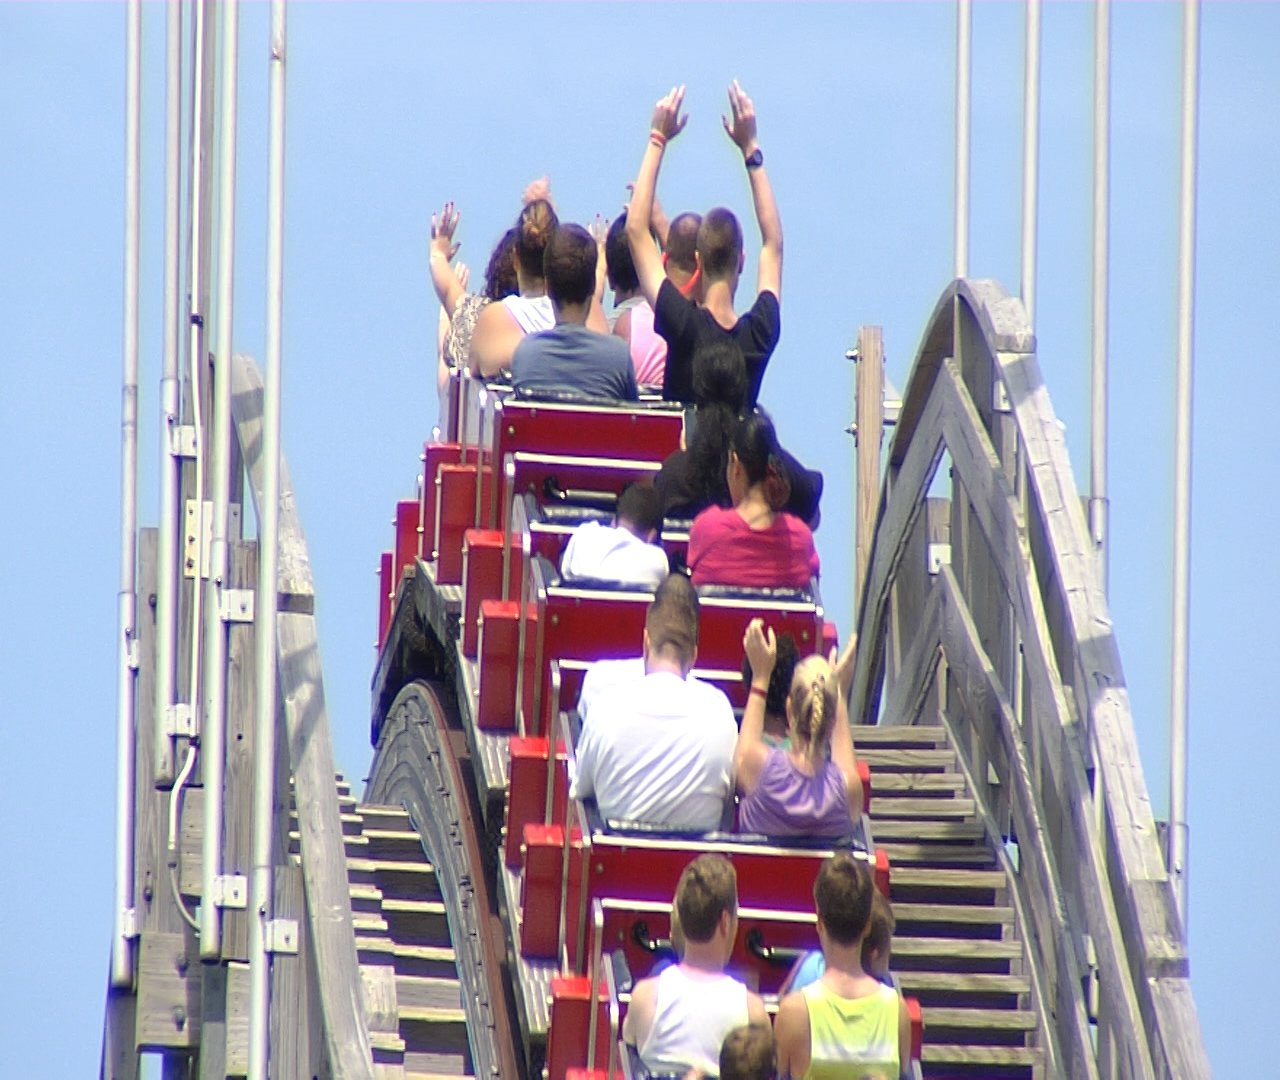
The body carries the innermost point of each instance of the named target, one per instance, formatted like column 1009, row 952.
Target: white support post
column 1098, row 427
column 964, row 63
column 268, row 567
column 127, row 598
column 1031, row 159
column 213, row 732
column 169, row 576
column 1178, row 826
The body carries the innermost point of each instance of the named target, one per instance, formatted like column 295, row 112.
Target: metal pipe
column 127, row 598
column 964, row 63
column 1098, row 427
column 168, row 577
column 1178, row 827
column 264, row 765
column 1031, row 159
column 213, row 733
column 201, row 91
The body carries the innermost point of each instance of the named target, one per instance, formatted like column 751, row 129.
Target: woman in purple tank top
column 811, row 788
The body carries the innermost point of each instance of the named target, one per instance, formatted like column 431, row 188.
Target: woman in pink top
column 810, row 788
column 753, row 544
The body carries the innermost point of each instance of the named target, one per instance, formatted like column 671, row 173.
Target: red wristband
column 657, row 138
column 756, row 690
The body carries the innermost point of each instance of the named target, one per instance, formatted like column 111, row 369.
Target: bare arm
column 742, row 130
column 639, row 1019
column 791, row 1033
column 665, row 125
column 904, row 1037
column 596, row 318
column 749, row 755
column 756, row 1012
column 494, row 341
column 842, row 734
column 449, row 290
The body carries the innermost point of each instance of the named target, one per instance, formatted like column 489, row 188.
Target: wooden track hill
column 466, row 918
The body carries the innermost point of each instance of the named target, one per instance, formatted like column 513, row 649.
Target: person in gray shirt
column 570, row 358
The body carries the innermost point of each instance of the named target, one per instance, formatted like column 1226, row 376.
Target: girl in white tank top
column 531, row 313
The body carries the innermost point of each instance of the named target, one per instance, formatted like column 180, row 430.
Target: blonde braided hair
column 813, row 706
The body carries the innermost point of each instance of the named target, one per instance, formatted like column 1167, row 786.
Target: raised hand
column 443, row 226
column 463, row 274
column 761, row 648
column 667, row 120
column 742, row 128
column 599, row 230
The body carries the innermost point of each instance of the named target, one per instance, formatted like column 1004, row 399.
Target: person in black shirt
column 720, row 257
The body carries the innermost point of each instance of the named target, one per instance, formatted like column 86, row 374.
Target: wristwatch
column 754, row 159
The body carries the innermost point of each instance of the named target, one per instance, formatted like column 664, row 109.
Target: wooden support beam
column 867, row 436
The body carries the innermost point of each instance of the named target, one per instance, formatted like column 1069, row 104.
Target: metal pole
column 268, row 560
column 127, row 598
column 1030, row 159
column 169, row 579
column 213, row 756
column 1098, row 430
column 1178, row 827
column 964, row 51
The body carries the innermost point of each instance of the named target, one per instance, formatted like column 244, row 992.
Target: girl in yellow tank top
column 852, row 1038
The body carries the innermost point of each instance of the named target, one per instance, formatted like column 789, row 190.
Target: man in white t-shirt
column 678, row 1019
column 623, row 553
column 659, row 749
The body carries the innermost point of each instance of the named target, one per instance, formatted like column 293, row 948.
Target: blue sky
column 395, row 108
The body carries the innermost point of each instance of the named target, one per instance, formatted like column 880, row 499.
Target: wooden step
column 419, row 1064
column 929, row 809
column 948, row 854
column 899, row 760
column 978, row 948
column 873, row 735
column 436, row 961
column 386, row 1043
column 960, row 989
column 962, row 1054
column 394, row 844
column 353, row 844
column 424, row 992
column 368, row 923
column 927, row 830
column 405, row 879
column 417, row 922
column 952, row 913
column 377, row 816
column 365, row 898
column 352, row 823
column 923, row 783
column 1005, row 1019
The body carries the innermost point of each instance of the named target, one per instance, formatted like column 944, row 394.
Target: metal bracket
column 197, row 552
column 938, row 556
column 235, row 605
column 180, row 719
column 231, row 891
column 182, row 441
column 131, row 652
column 281, row 936
column 129, row 924
column 1000, row 397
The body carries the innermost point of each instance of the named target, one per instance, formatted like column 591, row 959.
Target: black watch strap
column 754, row 159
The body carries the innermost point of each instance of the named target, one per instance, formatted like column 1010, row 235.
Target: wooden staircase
column 957, row 947
column 411, row 991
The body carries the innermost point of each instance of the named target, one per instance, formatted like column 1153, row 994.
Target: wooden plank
column 966, row 1054
column 297, row 1042
column 237, row 843
column 960, row 914
column 983, row 1019
column 895, row 735
column 294, row 584
column 1052, row 955
column 929, row 830
column 916, row 760
column 927, row 808
column 869, row 416
column 951, row 854
column 917, row 782
column 310, row 753
column 169, row 991
column 957, row 948
column 119, row 1059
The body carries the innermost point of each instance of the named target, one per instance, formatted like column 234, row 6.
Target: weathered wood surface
column 870, row 430
column 310, row 755
column 1036, row 622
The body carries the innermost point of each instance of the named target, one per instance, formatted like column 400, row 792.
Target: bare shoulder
column 792, row 1011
